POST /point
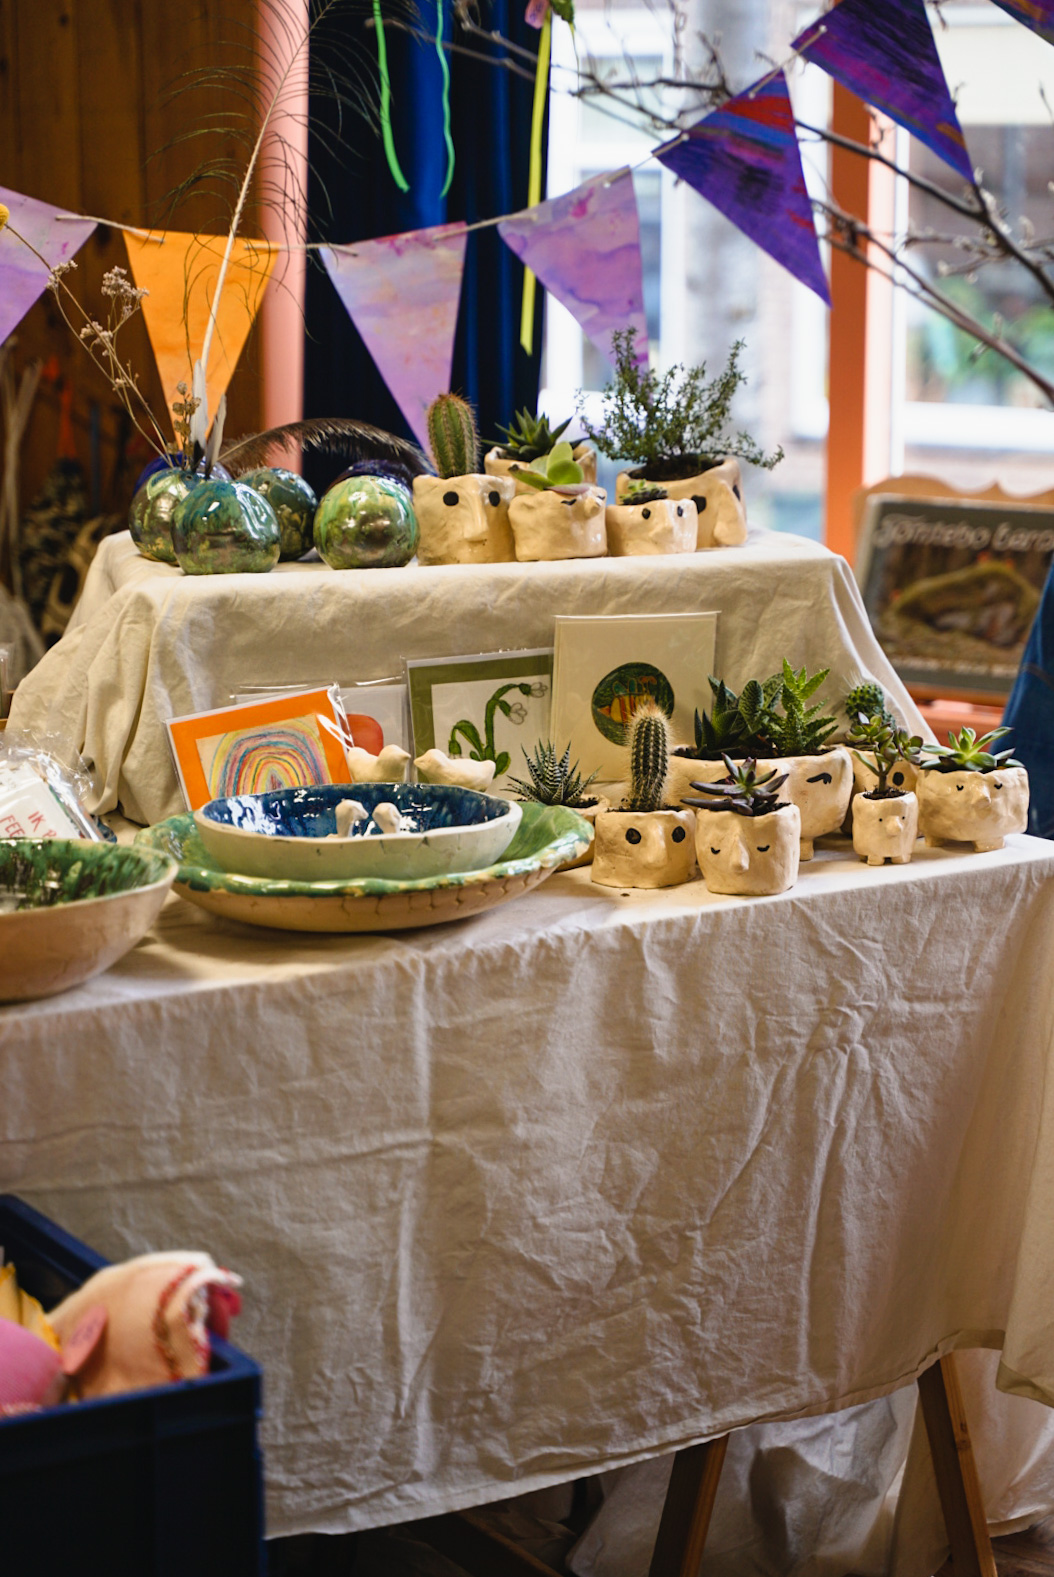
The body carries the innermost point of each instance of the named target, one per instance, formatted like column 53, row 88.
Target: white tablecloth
column 574, row 1183
column 147, row 642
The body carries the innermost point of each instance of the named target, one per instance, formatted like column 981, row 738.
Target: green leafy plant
column 558, row 468
column 643, row 493
column 745, row 791
column 649, row 758
column 964, row 752
column 888, row 744
column 868, row 700
column 529, row 436
column 724, row 729
column 553, row 780
column 674, row 424
column 482, row 748
column 792, row 728
column 452, row 436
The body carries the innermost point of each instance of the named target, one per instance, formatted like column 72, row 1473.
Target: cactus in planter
column 868, row 700
column 452, row 436
column 649, row 754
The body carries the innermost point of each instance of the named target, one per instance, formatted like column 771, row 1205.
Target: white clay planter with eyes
column 748, row 856
column 885, row 827
column 558, row 523
column 497, row 464
column 664, row 525
column 648, row 848
column 717, row 494
column 821, row 786
column 464, row 519
column 981, row 808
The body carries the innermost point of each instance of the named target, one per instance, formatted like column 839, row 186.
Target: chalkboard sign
column 952, row 586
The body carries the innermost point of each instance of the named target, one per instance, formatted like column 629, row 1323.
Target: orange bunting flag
column 181, row 272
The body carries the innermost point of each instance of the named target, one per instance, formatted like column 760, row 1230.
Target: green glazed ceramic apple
column 225, row 528
column 292, row 500
column 150, row 517
column 366, row 522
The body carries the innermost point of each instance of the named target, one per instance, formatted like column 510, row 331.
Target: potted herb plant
column 648, row 520
column 747, row 840
column 676, row 427
column 462, row 515
column 969, row 793
column 527, row 439
column 552, row 780
column 557, row 514
column 885, row 816
column 645, row 843
column 867, row 700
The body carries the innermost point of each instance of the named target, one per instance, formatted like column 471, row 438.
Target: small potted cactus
column 969, row 793
column 747, row 840
column 462, row 515
column 645, row 843
column 885, row 815
column 526, row 440
column 647, row 520
column 552, row 780
column 556, row 513
column 867, row 701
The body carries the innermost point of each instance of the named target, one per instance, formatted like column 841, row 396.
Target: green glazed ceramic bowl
column 366, row 522
column 70, row 908
column 293, row 502
column 225, row 528
column 548, row 837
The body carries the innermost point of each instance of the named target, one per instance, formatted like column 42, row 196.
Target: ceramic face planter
column 717, row 494
column 821, row 787
column 554, row 525
column 588, row 813
column 464, row 519
column 903, row 775
column 654, row 848
column 972, row 807
column 497, row 464
column 666, row 526
column 225, row 528
column 293, row 501
column 748, row 856
column 885, row 829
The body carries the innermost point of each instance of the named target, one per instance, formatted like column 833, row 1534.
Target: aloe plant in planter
column 552, row 780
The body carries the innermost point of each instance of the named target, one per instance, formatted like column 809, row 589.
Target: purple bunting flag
column 885, row 54
column 402, row 294
column 585, row 249
column 744, row 159
column 23, row 277
column 1036, row 14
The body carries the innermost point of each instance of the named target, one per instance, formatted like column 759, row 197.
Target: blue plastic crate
column 158, row 1483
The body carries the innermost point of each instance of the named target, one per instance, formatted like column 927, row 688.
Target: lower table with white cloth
column 572, row 1184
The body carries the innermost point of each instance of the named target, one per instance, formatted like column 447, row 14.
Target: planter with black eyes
column 902, row 775
column 716, row 490
column 885, row 826
column 644, row 848
column 559, row 523
column 660, row 525
column 464, row 519
column 748, row 856
column 821, row 787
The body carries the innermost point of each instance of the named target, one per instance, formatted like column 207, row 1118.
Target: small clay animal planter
column 885, row 826
column 559, row 523
column 716, row 490
column 646, row 844
column 903, row 775
column 658, row 525
column 885, row 814
column 552, row 780
column 747, row 840
column 972, row 794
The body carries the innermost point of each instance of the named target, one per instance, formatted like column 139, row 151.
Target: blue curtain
column 1030, row 713
column 353, row 197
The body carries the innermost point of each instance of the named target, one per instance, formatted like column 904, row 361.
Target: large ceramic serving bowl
column 290, row 834
column 70, row 908
column 548, row 837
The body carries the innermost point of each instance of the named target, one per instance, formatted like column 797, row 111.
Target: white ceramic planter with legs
column 464, row 519
column 666, row 525
column 748, row 856
column 981, row 808
column 821, row 787
column 554, row 525
column 717, row 494
column 885, row 828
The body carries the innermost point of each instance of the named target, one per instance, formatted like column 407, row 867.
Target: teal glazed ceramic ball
column 225, row 528
column 366, row 522
column 292, row 500
column 150, row 517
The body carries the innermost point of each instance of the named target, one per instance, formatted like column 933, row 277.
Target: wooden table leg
column 687, row 1510
column 955, row 1470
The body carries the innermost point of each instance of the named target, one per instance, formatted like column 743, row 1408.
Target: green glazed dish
column 366, row 522
column 150, row 517
column 225, row 528
column 549, row 836
column 293, row 502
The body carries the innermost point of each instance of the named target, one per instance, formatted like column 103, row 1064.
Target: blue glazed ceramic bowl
column 291, row 834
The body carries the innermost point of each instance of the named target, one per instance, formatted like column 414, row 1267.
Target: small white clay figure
column 349, row 813
column 436, row 767
column 885, row 828
column 387, row 767
column 389, row 818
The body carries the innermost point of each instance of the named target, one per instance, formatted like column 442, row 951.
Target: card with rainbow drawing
column 287, row 742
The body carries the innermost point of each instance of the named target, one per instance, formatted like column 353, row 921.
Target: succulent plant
column 558, row 468
column 552, row 780
column 867, row 699
column 964, row 752
column 452, row 436
column 724, row 729
column 649, row 756
column 643, row 493
column 745, row 790
column 796, row 729
column 530, row 436
column 883, row 737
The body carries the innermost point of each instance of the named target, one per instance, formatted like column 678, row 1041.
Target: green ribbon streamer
column 445, row 69
column 534, row 179
column 386, row 98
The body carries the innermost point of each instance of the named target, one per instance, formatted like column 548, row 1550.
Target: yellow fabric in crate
column 17, row 1306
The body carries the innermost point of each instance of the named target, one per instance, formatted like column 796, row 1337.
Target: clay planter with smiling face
column 554, row 523
column 748, row 856
column 885, row 827
column 666, row 525
column 972, row 807
column 821, row 787
column 717, row 493
column 652, row 848
column 464, row 519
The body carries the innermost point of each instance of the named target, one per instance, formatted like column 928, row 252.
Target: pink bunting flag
column 585, row 249
column 23, row 277
column 402, row 293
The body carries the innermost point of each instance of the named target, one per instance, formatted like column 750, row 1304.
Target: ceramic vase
column 654, row 848
column 464, row 519
column 495, row 463
column 885, row 828
column 821, row 786
column 972, row 807
column 667, row 525
column 748, row 856
column 225, row 528
column 551, row 524
column 366, row 522
column 293, row 501
column 717, row 493
column 150, row 517
column 588, row 813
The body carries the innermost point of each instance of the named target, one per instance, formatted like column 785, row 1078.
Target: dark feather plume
column 341, row 436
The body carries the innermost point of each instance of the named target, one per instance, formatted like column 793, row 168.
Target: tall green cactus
column 453, row 436
column 649, row 754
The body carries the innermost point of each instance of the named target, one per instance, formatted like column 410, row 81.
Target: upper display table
column 147, row 643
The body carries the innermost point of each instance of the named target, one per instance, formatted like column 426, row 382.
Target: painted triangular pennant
column 402, row 294
column 585, row 249
column 181, row 271
column 23, row 277
column 744, row 159
column 1036, row 14
column 885, row 54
